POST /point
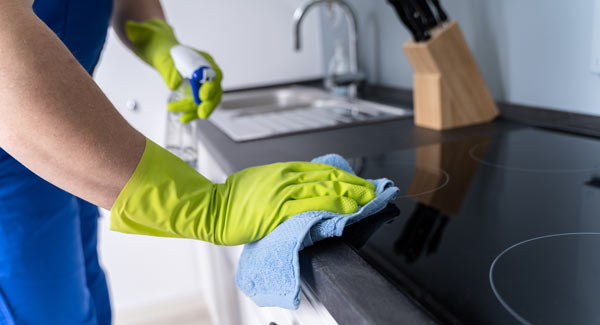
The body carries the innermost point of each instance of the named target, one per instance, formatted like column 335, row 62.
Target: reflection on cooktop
column 465, row 202
column 359, row 232
column 412, row 179
column 424, row 228
column 550, row 279
column 533, row 151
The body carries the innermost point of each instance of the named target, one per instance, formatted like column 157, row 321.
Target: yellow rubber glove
column 166, row 197
column 152, row 41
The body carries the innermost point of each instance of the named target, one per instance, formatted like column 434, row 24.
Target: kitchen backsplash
column 530, row 52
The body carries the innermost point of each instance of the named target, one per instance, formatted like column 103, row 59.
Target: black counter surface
column 369, row 276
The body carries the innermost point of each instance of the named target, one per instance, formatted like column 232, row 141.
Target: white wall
column 252, row 42
column 530, row 52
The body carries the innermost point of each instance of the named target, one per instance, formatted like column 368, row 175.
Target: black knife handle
column 418, row 20
column 427, row 16
column 441, row 13
column 410, row 18
column 404, row 17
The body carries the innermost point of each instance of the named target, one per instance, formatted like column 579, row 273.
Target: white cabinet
column 143, row 271
column 310, row 311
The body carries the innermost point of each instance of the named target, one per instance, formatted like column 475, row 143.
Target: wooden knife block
column 449, row 90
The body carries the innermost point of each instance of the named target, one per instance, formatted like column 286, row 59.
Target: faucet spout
column 301, row 12
column 299, row 15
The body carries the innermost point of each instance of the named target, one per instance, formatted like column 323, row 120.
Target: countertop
column 339, row 277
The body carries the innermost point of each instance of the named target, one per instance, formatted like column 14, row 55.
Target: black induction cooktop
column 494, row 230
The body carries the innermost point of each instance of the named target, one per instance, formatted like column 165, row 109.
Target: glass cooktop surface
column 494, row 230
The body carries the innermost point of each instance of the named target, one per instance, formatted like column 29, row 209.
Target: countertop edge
column 341, row 289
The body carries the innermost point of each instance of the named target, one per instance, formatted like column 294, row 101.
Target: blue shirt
column 82, row 26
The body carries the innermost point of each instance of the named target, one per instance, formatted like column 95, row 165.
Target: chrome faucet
column 354, row 76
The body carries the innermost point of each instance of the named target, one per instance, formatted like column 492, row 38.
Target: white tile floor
column 189, row 311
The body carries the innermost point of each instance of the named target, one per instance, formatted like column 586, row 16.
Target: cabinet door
column 144, row 271
column 310, row 312
column 135, row 89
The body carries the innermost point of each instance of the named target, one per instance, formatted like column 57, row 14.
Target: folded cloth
column 268, row 269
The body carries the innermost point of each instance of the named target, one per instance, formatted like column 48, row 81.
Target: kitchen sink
column 258, row 114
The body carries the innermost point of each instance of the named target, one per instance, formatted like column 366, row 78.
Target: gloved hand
column 166, row 197
column 153, row 41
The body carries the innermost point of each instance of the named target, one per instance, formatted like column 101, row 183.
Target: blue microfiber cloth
column 269, row 271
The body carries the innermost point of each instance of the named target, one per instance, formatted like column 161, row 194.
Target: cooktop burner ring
column 446, row 181
column 502, row 301
column 525, row 169
column 426, row 167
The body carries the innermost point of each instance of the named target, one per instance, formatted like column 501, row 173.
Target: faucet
column 354, row 76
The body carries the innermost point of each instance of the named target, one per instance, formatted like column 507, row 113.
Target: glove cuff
column 164, row 197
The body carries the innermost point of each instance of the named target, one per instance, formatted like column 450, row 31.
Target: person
column 65, row 150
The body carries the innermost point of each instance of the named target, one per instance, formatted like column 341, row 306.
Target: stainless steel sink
column 258, row 114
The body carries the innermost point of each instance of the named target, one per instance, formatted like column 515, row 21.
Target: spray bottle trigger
column 196, row 82
column 199, row 77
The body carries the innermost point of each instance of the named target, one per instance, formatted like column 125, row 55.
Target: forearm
column 53, row 117
column 135, row 10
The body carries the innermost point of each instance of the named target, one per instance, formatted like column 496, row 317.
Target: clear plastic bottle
column 180, row 137
column 339, row 65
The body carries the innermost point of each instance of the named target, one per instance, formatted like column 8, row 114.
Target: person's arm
column 134, row 10
column 54, row 119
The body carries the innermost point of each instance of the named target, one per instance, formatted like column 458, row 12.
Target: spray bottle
column 195, row 70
